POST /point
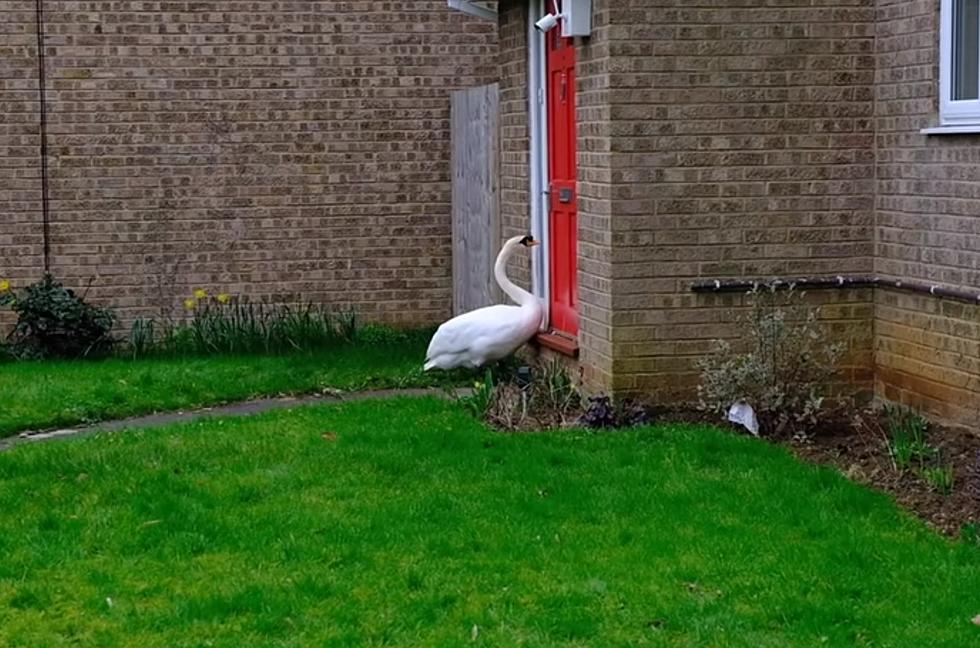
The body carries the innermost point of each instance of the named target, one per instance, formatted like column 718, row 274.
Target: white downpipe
column 538, row 171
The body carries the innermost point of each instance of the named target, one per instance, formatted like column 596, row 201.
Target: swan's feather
column 481, row 336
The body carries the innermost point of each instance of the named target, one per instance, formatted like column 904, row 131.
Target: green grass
column 405, row 523
column 39, row 395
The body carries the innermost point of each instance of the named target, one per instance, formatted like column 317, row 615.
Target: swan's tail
column 429, row 366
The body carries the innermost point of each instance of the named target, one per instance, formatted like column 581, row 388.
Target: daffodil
column 200, row 294
column 224, row 298
column 4, row 286
column 190, row 304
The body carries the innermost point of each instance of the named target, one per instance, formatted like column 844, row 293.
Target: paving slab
column 244, row 408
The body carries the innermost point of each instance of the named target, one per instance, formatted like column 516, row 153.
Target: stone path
column 246, row 408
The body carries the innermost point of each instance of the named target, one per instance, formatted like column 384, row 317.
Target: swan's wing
column 458, row 334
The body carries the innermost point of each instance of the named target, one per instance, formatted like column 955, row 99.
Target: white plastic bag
column 741, row 413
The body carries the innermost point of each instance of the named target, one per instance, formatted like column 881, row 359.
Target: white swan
column 473, row 339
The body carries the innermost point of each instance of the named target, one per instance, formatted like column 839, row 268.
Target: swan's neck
column 518, row 294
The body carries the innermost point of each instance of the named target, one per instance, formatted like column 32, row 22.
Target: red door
column 563, row 170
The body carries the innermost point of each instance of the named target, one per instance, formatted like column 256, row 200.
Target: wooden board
column 476, row 208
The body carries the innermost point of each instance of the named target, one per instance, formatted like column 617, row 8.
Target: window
column 959, row 85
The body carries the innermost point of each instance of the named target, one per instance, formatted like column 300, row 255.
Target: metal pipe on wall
column 43, row 127
column 839, row 283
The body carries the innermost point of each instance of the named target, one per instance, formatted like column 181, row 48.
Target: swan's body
column 487, row 334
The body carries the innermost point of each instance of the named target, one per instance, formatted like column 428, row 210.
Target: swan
column 473, row 339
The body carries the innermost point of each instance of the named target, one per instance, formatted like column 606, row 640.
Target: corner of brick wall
column 742, row 143
column 926, row 349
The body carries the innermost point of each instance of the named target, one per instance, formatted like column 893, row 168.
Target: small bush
column 602, row 413
column 54, row 322
column 786, row 369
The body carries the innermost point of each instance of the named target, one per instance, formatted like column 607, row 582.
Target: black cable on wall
column 42, row 101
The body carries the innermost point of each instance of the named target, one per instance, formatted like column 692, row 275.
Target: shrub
column 785, row 370
column 602, row 413
column 54, row 322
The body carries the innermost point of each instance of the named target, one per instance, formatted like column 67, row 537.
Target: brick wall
column 928, row 223
column 742, row 147
column 20, row 188
column 275, row 149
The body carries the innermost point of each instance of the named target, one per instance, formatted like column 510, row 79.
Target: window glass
column 966, row 49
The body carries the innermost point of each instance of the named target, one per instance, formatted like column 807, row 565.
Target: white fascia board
column 467, row 7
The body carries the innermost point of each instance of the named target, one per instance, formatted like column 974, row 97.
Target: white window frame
column 965, row 113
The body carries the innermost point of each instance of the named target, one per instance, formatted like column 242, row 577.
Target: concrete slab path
column 245, row 408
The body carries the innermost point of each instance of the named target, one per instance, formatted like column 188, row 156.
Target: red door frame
column 563, row 174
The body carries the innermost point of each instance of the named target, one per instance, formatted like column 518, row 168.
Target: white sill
column 959, row 129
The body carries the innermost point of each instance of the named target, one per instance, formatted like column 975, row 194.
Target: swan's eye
column 527, row 240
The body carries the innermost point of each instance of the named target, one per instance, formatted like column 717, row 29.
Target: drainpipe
column 538, row 159
column 43, row 127
column 839, row 283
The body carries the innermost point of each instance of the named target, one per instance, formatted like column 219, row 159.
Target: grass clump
column 940, row 478
column 224, row 324
column 911, row 451
column 907, row 430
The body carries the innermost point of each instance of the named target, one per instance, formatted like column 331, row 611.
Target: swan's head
column 529, row 242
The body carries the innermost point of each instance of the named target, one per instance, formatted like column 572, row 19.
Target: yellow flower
column 200, row 294
column 4, row 286
column 224, row 298
column 190, row 304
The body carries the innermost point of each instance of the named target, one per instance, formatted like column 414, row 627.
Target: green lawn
column 406, row 523
column 39, row 395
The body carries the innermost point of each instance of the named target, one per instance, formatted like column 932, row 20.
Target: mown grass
column 406, row 523
column 38, row 395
